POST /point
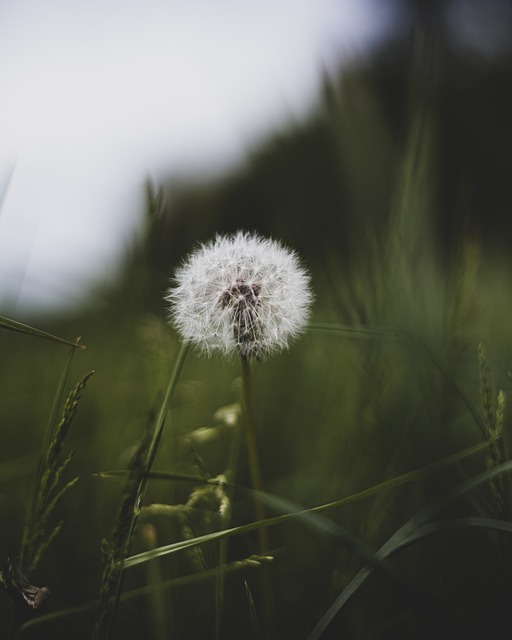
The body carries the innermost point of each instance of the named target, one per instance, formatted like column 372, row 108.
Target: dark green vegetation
column 394, row 193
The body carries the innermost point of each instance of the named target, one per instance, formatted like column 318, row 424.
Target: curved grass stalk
column 308, row 516
column 465, row 399
column 404, row 478
column 398, row 334
column 14, row 325
column 296, row 512
column 413, row 530
column 255, row 624
column 332, row 328
column 251, row 563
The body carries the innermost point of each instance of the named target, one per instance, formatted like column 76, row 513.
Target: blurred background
column 99, row 97
column 374, row 137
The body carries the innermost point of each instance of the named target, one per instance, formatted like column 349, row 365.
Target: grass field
column 382, row 435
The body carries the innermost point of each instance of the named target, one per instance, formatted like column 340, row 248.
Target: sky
column 100, row 95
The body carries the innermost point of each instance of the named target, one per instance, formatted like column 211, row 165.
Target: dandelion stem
column 257, row 485
column 252, row 451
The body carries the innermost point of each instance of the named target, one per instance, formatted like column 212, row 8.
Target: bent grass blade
column 14, row 325
column 280, row 519
column 415, row 529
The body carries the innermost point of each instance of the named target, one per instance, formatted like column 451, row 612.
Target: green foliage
column 115, row 551
column 493, row 405
column 50, row 486
column 371, row 431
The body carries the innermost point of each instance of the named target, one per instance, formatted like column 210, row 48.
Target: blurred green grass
column 362, row 195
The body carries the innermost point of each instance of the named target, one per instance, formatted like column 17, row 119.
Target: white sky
column 97, row 96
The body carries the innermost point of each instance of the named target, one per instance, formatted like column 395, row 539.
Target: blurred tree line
column 322, row 185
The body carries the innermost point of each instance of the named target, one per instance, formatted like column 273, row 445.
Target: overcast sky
column 97, row 96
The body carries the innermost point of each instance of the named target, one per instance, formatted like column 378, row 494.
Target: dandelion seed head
column 240, row 294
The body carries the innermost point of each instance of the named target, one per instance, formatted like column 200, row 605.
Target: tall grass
column 383, row 439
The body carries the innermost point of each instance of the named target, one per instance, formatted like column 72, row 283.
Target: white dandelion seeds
column 240, row 294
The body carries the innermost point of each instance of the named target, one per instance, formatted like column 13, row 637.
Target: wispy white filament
column 240, row 294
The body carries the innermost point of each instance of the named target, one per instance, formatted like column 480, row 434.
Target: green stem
column 152, row 451
column 159, row 425
column 232, row 467
column 257, row 485
column 252, row 451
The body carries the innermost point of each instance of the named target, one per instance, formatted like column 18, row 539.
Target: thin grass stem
column 104, row 632
column 292, row 512
column 252, row 563
column 160, row 421
column 14, row 325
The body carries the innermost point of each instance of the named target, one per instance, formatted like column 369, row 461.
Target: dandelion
column 249, row 296
column 240, row 295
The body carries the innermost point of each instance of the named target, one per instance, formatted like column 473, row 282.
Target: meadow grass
column 373, row 494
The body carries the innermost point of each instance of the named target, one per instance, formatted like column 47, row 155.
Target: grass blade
column 134, row 493
column 254, row 616
column 14, row 325
column 335, row 328
column 307, row 516
column 369, row 331
column 413, row 530
column 404, row 478
column 251, row 563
